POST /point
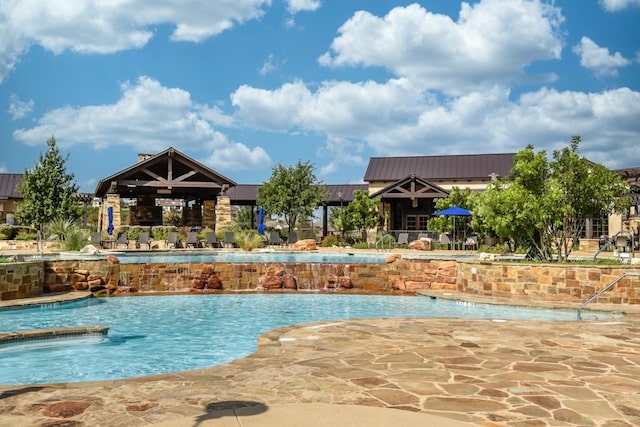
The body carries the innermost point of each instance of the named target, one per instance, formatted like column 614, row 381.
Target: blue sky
column 243, row 85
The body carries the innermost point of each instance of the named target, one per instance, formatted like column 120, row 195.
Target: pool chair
column 622, row 243
column 292, row 237
column 123, row 239
column 275, row 239
column 95, row 239
column 192, row 240
column 444, row 241
column 210, row 240
column 471, row 242
column 143, row 239
column 172, row 240
column 403, row 239
column 229, row 239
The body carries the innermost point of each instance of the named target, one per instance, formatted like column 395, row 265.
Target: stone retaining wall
column 548, row 281
column 541, row 282
column 21, row 279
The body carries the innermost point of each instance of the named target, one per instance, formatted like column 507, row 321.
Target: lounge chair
column 275, row 239
column 622, row 243
column 172, row 240
column 403, row 239
column 143, row 239
column 229, row 239
column 292, row 237
column 471, row 242
column 96, row 239
column 192, row 240
column 211, row 240
column 123, row 239
column 444, row 240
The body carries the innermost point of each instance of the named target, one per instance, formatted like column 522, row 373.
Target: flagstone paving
column 488, row 373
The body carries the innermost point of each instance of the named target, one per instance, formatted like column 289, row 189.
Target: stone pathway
column 513, row 373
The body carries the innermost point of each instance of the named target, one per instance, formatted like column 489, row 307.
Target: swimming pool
column 158, row 334
column 241, row 257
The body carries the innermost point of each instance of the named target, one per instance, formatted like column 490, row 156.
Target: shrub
column 26, row 235
column 7, row 232
column 329, row 240
column 248, row 240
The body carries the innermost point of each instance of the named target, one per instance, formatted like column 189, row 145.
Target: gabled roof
column 444, row 167
column 409, row 188
column 166, row 174
column 9, row 183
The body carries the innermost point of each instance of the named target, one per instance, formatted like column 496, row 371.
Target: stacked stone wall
column 21, row 280
column 539, row 282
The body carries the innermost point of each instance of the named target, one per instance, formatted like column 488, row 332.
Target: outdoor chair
column 292, row 238
column 143, row 239
column 403, row 239
column 211, row 240
column 172, row 240
column 622, row 243
column 444, row 240
column 95, row 239
column 192, row 240
column 229, row 239
column 471, row 242
column 274, row 238
column 123, row 239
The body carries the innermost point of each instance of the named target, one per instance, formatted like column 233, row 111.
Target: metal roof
column 169, row 172
column 246, row 194
column 9, row 183
column 453, row 167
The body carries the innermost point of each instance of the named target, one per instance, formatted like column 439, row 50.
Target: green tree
column 464, row 198
column 48, row 190
column 291, row 192
column 543, row 206
column 362, row 213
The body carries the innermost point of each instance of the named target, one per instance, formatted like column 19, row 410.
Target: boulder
column 305, row 245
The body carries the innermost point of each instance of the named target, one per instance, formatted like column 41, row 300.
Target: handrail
column 605, row 289
column 381, row 240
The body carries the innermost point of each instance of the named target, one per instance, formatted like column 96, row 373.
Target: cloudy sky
column 243, row 85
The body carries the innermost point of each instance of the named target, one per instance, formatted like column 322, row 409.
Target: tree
column 48, row 190
column 544, row 205
column 464, row 198
column 291, row 192
column 362, row 213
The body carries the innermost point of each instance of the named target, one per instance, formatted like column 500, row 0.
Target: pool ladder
column 603, row 290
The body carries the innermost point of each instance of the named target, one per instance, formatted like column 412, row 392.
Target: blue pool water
column 146, row 257
column 159, row 334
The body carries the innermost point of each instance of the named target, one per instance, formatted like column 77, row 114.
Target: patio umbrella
column 261, row 226
column 453, row 211
column 110, row 220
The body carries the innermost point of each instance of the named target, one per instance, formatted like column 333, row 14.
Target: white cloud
column 95, row 26
column 19, row 108
column 490, row 43
column 3, row 168
column 398, row 118
column 270, row 65
column 617, row 5
column 598, row 58
column 295, row 6
column 148, row 117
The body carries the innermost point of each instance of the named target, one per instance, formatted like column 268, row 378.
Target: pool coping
column 52, row 334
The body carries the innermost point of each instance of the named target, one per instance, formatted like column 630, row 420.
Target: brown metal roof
column 169, row 172
column 465, row 166
column 246, row 194
column 9, row 183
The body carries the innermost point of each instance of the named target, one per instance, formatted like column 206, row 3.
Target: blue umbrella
column 110, row 220
column 261, row 226
column 453, row 211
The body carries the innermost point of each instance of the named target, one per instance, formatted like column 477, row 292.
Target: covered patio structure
column 167, row 175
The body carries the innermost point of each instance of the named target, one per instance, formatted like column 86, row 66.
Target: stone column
column 112, row 200
column 223, row 213
column 209, row 214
